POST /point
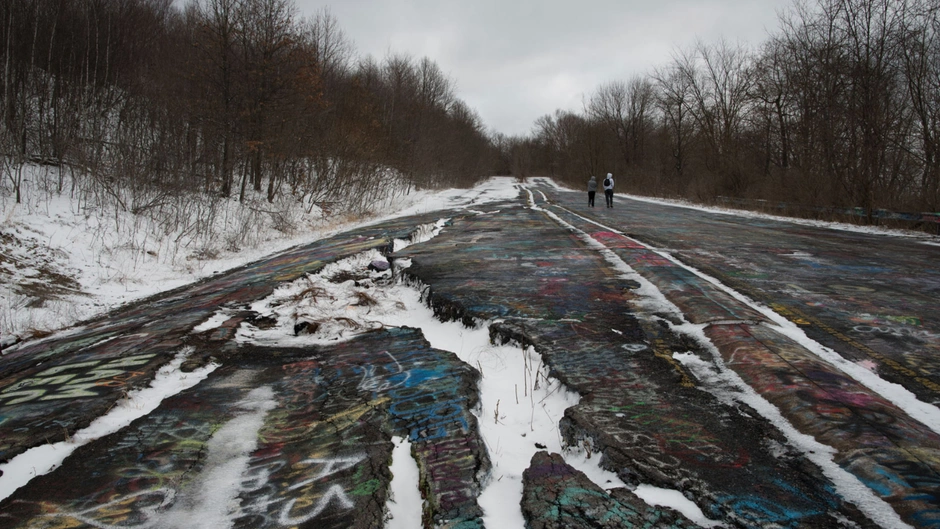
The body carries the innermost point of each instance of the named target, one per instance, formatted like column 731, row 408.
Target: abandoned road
column 776, row 374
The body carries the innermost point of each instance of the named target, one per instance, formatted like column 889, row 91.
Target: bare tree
column 674, row 101
column 143, row 98
column 217, row 21
column 874, row 110
column 266, row 31
column 327, row 46
column 919, row 44
column 719, row 79
column 625, row 108
column 772, row 91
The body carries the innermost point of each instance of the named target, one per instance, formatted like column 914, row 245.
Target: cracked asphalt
column 544, row 271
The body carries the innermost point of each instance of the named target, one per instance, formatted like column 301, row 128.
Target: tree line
column 141, row 100
column 840, row 107
column 144, row 100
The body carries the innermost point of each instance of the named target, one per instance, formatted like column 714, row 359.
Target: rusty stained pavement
column 539, row 274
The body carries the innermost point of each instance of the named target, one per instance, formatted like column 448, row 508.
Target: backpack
column 606, row 182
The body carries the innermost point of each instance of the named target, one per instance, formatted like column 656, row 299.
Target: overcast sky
column 516, row 60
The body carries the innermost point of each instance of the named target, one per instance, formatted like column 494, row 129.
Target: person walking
column 592, row 190
column 609, row 190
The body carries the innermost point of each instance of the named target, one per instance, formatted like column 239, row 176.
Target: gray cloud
column 514, row 61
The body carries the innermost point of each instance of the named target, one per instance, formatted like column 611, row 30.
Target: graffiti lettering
column 893, row 364
column 333, row 493
column 263, row 487
column 895, row 331
column 371, row 381
column 140, row 506
column 331, row 466
column 55, row 384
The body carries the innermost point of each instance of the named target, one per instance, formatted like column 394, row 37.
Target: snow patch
column 520, row 404
column 212, row 500
column 404, row 504
column 115, row 257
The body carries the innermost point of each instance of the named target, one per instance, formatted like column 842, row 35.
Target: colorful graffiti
column 635, row 410
column 894, row 455
column 52, row 400
column 138, row 472
column 73, row 380
column 835, row 278
column 556, row 495
column 324, row 416
column 159, row 327
column 324, row 428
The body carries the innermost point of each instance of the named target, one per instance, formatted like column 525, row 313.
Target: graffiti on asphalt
column 321, row 455
column 807, row 320
column 557, row 495
column 661, row 436
column 158, row 326
column 74, row 380
column 896, row 458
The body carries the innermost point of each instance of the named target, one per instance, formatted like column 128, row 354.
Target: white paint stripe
column 924, row 412
column 847, row 484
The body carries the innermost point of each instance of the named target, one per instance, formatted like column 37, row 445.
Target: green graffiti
column 366, row 488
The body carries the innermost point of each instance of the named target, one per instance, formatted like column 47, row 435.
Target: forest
column 143, row 103
column 838, row 108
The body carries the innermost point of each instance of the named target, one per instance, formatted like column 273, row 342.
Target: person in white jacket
column 609, row 190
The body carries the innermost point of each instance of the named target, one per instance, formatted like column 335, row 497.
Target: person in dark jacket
column 609, row 190
column 592, row 190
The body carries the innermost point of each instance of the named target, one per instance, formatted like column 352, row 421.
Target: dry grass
column 313, row 293
column 48, row 282
column 364, row 300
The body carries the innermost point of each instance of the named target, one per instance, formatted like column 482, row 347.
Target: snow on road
column 520, row 404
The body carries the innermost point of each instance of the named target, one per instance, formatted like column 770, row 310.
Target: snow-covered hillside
column 64, row 259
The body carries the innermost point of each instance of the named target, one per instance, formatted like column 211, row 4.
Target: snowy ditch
column 727, row 386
